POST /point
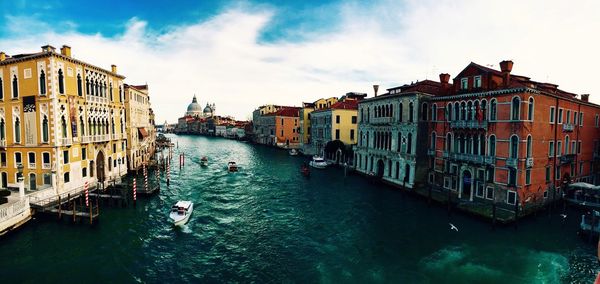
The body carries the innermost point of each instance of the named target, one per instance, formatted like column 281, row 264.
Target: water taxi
column 318, row 162
column 204, row 162
column 180, row 212
column 232, row 167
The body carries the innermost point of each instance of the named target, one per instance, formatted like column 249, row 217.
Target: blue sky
column 242, row 54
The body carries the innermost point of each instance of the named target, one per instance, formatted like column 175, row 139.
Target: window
column 409, row 144
column 352, row 134
column 552, row 113
column 1, row 89
column 434, row 112
column 3, row 159
column 548, row 174
column 515, row 108
column 493, row 109
column 464, row 83
column 15, row 87
column 489, row 193
column 83, row 153
column 2, row 130
column 479, row 192
column 31, row 157
column 578, row 147
column 581, row 119
column 596, row 121
column 354, row 119
column 282, row 122
column 530, row 109
column 84, row 172
column 45, row 129
column 66, row 156
column 514, row 146
column 18, row 159
column 557, row 173
column 558, row 148
column 512, row 177
column 567, row 145
column 410, row 112
column 61, row 82
column 67, row 177
column 337, row 119
column 527, row 176
column 575, row 116
column 545, row 194
column 551, row 149
column 46, row 158
column 17, row 130
column 560, row 116
column 400, row 108
column 424, row 112
column 529, row 144
column 511, row 198
column 337, row 134
column 477, row 82
column 79, row 85
column 568, row 118
column 42, row 83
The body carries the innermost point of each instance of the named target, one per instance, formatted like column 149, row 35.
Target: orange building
column 287, row 127
column 500, row 137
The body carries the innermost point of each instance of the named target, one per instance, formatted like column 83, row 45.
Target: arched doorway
column 4, row 180
column 100, row 166
column 32, row 184
column 467, row 181
column 380, row 168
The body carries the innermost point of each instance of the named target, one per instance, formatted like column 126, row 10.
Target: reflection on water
column 267, row 223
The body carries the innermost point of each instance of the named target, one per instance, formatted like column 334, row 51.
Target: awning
column 143, row 132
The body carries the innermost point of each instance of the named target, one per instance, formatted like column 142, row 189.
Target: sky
column 242, row 54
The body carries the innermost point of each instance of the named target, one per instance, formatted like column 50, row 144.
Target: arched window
column 515, row 108
column 400, row 108
column 482, row 144
column 399, row 148
column 567, row 145
column 15, row 87
column 1, row 89
column 410, row 112
column 484, row 109
column 387, row 110
column 470, row 110
column 87, row 89
column 42, row 83
column 109, row 163
column 2, row 130
column 79, row 85
column 529, row 146
column 424, row 112
column 493, row 110
column 434, row 112
column 530, row 109
column 63, row 124
column 110, row 90
column 82, row 125
column 112, row 124
column 463, row 111
column 448, row 142
column 61, row 82
column 456, row 140
column 407, row 173
column 432, row 144
column 514, row 146
column 45, row 133
column 409, row 144
column 448, row 112
column 391, row 111
column 368, row 142
column 492, row 146
column 456, row 112
column 17, row 130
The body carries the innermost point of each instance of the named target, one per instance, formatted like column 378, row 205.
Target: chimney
column 114, row 68
column 444, row 79
column 48, row 48
column 65, row 50
column 2, row 56
column 506, row 67
column 585, row 97
column 376, row 88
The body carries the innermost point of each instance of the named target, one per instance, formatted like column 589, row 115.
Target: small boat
column 232, row 167
column 293, row 152
column 590, row 223
column 305, row 170
column 318, row 162
column 583, row 195
column 180, row 212
column 204, row 162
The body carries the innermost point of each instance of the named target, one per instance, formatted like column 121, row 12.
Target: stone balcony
column 477, row 159
column 568, row 127
column 86, row 139
column 512, row 162
column 65, row 141
column 381, row 120
column 3, row 143
column 468, row 124
column 567, row 159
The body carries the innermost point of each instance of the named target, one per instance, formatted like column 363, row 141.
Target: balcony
column 382, row 120
column 529, row 162
column 567, row 159
column 468, row 124
column 31, row 166
column 512, row 162
column 3, row 143
column 567, row 127
column 489, row 160
column 477, row 159
column 65, row 141
column 431, row 152
column 86, row 139
column 46, row 166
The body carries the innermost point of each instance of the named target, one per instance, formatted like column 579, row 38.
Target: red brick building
column 504, row 137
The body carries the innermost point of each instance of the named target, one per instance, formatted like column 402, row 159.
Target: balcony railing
column 468, row 124
column 382, row 120
column 489, row 160
column 46, row 166
column 567, row 127
column 86, row 139
column 529, row 162
column 31, row 166
column 566, row 159
column 65, row 141
column 512, row 162
column 3, row 164
column 477, row 159
column 3, row 143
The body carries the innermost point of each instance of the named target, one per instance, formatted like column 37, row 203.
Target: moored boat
column 590, row 223
column 180, row 212
column 583, row 195
column 318, row 162
column 232, row 167
column 293, row 152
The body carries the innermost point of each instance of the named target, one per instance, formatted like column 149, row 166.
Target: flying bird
column 452, row 227
column 564, row 216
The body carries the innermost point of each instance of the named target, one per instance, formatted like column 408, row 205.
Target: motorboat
column 318, row 162
column 232, row 167
column 294, row 152
column 180, row 212
column 590, row 223
column 583, row 195
column 305, row 170
column 204, row 162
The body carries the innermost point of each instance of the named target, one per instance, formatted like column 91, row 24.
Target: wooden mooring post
column 59, row 207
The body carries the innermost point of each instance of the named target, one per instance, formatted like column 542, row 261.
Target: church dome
column 207, row 109
column 194, row 108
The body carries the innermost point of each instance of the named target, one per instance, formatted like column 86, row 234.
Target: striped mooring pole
column 168, row 172
column 87, row 194
column 134, row 190
column 145, row 178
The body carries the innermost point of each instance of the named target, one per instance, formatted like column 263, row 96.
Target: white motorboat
column 294, row 152
column 318, row 162
column 204, row 162
column 232, row 167
column 180, row 212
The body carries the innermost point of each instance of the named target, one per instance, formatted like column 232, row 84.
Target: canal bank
column 267, row 223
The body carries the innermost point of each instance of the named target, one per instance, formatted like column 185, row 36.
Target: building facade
column 500, row 137
column 307, row 108
column 140, row 127
column 62, row 119
column 392, row 133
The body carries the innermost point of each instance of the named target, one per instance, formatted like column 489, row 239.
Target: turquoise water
column 268, row 224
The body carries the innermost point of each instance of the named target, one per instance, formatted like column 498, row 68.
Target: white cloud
column 221, row 60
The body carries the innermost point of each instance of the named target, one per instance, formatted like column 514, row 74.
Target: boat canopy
column 584, row 185
column 183, row 204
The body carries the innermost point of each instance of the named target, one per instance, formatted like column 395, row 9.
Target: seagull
column 564, row 216
column 452, row 227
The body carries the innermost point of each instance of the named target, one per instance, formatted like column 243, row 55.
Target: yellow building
column 62, row 119
column 304, row 128
column 140, row 126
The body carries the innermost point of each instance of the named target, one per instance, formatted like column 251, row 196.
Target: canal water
column 268, row 224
